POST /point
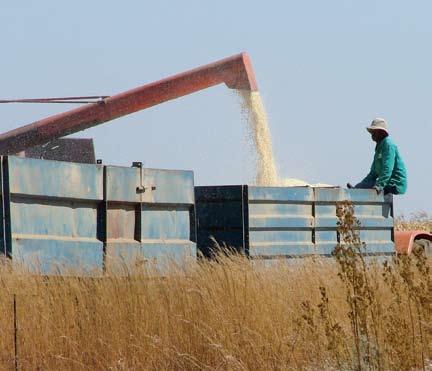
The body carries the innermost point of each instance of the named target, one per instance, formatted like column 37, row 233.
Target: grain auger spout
column 236, row 72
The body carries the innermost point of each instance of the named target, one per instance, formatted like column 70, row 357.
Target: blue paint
column 149, row 209
column 282, row 221
column 63, row 216
column 287, row 209
column 292, row 194
column 289, row 250
column 287, row 236
column 366, row 222
column 170, row 186
column 121, row 183
column 58, row 256
column 165, row 224
column 288, row 221
column 326, row 235
column 55, row 179
column 375, row 235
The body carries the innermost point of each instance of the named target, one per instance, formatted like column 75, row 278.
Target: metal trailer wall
column 271, row 222
column 150, row 216
column 61, row 217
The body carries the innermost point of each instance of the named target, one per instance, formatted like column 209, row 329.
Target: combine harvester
column 65, row 216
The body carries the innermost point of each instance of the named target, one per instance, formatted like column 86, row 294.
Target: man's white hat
column 378, row 124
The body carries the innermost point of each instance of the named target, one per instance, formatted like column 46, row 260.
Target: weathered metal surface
column 269, row 222
column 259, row 221
column 404, row 240
column 373, row 211
column 150, row 216
column 158, row 186
column 280, row 221
column 53, row 212
column 43, row 178
column 65, row 217
column 236, row 72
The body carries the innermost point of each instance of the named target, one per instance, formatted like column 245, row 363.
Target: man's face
column 377, row 135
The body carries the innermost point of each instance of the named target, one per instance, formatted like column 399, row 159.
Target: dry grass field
column 230, row 314
column 417, row 221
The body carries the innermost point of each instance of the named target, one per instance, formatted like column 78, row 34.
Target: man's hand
column 377, row 189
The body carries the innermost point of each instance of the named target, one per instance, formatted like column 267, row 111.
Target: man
column 387, row 173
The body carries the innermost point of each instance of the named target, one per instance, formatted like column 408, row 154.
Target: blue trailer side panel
column 53, row 215
column 373, row 211
column 80, row 218
column 280, row 221
column 270, row 222
column 54, row 179
column 150, row 216
column 172, row 186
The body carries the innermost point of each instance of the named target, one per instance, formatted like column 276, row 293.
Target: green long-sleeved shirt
column 388, row 168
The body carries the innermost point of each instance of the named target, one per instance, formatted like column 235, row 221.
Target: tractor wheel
column 425, row 245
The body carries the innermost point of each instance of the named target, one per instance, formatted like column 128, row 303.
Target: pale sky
column 325, row 69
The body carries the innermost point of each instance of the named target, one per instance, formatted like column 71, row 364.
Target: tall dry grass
column 416, row 221
column 230, row 314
